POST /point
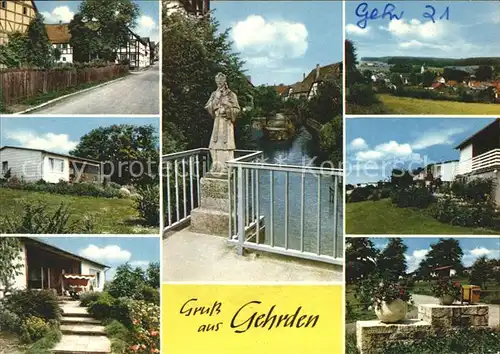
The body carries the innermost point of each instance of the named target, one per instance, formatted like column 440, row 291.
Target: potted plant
column 389, row 298
column 446, row 290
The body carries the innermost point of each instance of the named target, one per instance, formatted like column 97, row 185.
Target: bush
column 412, row 197
column 361, row 194
column 120, row 311
column 149, row 294
column 119, row 335
column 88, row 297
column 473, row 215
column 44, row 345
column 362, row 94
column 476, row 190
column 148, row 204
column 9, row 321
column 101, row 308
column 146, row 324
column 33, row 328
column 26, row 303
column 114, row 185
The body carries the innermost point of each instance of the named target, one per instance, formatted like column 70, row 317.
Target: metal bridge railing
column 286, row 209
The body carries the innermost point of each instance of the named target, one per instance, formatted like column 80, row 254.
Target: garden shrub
column 149, row 294
column 101, row 308
column 120, row 311
column 45, row 345
column 9, row 321
column 33, row 328
column 362, row 94
column 148, row 204
column 476, row 190
column 412, row 197
column 361, row 194
column 89, row 296
column 119, row 335
column 26, row 303
column 145, row 318
column 473, row 215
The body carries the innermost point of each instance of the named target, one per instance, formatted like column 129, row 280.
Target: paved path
column 137, row 93
column 189, row 256
column 81, row 333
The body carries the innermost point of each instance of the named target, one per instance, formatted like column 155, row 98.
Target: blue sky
column 57, row 134
column 147, row 23
column 471, row 30
column 419, row 246
column 375, row 144
column 111, row 251
column 281, row 40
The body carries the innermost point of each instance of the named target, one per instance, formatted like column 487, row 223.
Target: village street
column 136, row 94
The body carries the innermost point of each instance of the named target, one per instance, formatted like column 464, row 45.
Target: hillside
column 436, row 62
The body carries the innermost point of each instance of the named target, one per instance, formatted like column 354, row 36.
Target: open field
column 407, row 105
column 112, row 216
column 381, row 218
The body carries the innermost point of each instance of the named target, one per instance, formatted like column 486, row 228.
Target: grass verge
column 112, row 216
column 382, row 217
column 407, row 105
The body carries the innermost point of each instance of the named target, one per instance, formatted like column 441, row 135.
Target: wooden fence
column 21, row 84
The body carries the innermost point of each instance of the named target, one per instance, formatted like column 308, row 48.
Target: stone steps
column 79, row 320
column 83, row 329
column 75, row 344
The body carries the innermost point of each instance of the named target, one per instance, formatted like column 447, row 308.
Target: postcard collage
column 205, row 176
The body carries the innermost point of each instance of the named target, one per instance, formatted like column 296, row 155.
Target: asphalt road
column 138, row 93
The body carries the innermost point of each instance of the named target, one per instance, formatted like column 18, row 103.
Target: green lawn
column 407, row 105
column 382, row 217
column 112, row 216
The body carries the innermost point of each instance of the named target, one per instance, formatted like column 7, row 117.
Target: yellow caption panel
column 292, row 319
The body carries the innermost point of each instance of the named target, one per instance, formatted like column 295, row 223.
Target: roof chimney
column 303, row 76
column 317, row 72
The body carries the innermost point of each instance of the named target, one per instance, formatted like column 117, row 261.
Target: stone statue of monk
column 224, row 108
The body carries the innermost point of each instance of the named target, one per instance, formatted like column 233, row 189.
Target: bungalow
column 480, row 156
column 59, row 36
column 33, row 165
column 445, row 171
column 46, row 267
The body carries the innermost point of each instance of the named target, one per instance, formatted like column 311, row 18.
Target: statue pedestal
column 212, row 216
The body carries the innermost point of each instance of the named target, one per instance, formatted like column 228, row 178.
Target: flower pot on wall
column 392, row 312
column 446, row 300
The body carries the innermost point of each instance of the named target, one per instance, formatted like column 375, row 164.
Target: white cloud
column 416, row 29
column 414, row 259
column 356, row 30
column 140, row 264
column 147, row 27
column 438, row 137
column 480, row 251
column 359, row 144
column 264, row 42
column 389, row 150
column 107, row 254
column 48, row 141
column 59, row 14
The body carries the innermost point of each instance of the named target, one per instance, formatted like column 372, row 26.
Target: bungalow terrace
column 33, row 165
column 47, row 267
column 480, row 156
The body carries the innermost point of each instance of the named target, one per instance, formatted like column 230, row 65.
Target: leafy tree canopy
column 392, row 260
column 10, row 260
column 446, row 252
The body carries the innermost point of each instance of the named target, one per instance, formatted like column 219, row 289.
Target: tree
column 482, row 270
column 84, row 40
column 428, row 78
column 129, row 153
column 194, row 51
column 351, row 61
column 14, row 54
column 392, row 260
column 484, row 73
column 39, row 50
column 367, row 74
column 110, row 21
column 153, row 275
column 401, row 68
column 401, row 178
column 127, row 282
column 361, row 258
column 267, row 101
column 446, row 252
column 10, row 261
column 331, row 141
column 396, row 79
column 454, row 74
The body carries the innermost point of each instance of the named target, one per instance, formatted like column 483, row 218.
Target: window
column 5, row 167
column 4, row 4
column 64, row 59
column 97, row 279
column 25, row 10
column 56, row 165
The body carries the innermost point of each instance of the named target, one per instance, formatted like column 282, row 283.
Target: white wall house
column 60, row 36
column 34, row 164
column 45, row 266
column 480, row 156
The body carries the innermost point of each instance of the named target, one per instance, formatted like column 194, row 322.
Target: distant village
column 466, row 83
